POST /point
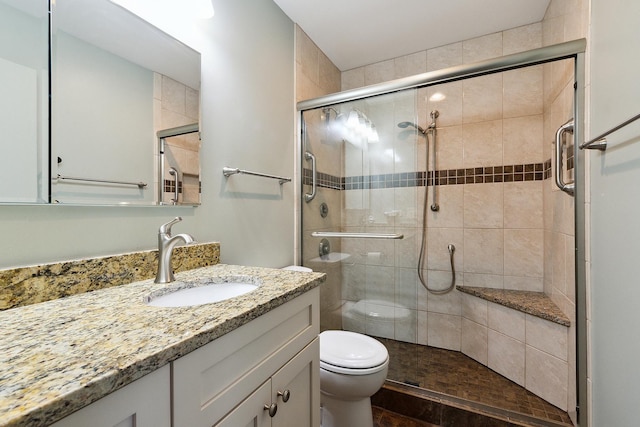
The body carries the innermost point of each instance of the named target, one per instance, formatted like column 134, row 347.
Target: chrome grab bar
column 568, row 188
column 70, row 178
column 600, row 142
column 310, row 196
column 227, row 171
column 356, row 235
column 174, row 172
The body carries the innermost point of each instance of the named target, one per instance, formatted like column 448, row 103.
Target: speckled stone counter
column 534, row 303
column 61, row 355
column 30, row 285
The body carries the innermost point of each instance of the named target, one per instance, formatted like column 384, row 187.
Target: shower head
column 404, row 125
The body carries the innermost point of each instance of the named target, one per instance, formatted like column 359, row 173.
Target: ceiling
column 353, row 33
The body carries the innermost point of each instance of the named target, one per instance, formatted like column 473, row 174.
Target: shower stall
column 419, row 186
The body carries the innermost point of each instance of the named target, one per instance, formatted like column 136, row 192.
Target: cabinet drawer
column 211, row 381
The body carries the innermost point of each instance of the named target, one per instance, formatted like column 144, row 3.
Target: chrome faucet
column 166, row 243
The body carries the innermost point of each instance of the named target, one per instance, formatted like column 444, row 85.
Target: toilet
column 352, row 368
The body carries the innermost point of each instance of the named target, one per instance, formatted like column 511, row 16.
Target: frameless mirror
column 24, row 89
column 115, row 81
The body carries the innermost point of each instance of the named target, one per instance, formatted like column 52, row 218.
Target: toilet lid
column 351, row 350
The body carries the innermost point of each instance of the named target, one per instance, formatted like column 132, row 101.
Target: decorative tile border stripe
column 30, row 285
column 479, row 175
column 324, row 180
column 170, row 186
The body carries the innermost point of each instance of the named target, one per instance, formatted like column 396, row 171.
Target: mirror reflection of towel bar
column 70, row 178
column 357, row 235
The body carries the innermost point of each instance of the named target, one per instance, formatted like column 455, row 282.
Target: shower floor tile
column 454, row 374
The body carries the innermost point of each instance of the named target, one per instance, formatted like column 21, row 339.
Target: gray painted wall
column 615, row 212
column 247, row 112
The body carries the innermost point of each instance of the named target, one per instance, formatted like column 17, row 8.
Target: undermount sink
column 201, row 292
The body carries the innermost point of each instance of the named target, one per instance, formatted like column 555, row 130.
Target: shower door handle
column 310, row 196
column 174, row 172
column 568, row 188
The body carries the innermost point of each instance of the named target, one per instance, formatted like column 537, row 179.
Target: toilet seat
column 351, row 353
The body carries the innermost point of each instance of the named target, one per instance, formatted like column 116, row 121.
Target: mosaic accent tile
column 479, row 175
column 30, row 285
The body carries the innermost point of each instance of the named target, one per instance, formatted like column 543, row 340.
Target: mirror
column 115, row 82
column 24, row 90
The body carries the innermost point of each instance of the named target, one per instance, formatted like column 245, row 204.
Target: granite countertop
column 59, row 356
column 533, row 303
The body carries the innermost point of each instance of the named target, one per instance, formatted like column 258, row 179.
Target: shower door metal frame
column 569, row 50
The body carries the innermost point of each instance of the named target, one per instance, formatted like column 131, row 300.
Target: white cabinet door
column 214, row 379
column 143, row 403
column 251, row 412
column 298, row 382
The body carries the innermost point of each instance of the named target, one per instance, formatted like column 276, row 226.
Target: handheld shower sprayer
column 404, row 125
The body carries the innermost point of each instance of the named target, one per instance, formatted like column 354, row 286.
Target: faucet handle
column 166, row 228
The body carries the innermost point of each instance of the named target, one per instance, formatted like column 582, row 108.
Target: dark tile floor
column 454, row 374
column 384, row 418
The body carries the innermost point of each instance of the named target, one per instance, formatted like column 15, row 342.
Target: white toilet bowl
column 352, row 368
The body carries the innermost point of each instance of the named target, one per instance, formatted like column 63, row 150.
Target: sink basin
column 198, row 293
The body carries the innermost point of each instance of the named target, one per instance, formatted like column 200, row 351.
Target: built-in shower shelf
column 534, row 303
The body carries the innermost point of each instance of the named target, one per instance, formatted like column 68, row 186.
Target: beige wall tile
column 475, row 309
column 482, row 98
column 437, row 248
column 474, row 341
column 379, row 72
column 451, row 213
column 329, row 78
column 307, row 55
column 506, row 356
column 444, row 56
column 447, row 99
column 483, row 205
column 352, row 79
column 450, row 149
column 547, row 336
column 482, row 143
column 423, row 330
column 523, row 252
column 523, row 205
column 444, row 331
column 406, row 249
column 521, row 39
column 410, row 65
column 506, row 321
column 520, row 283
column 448, row 303
column 481, row 48
column 441, row 280
column 484, row 251
column 379, row 284
column 523, row 140
column 406, row 288
column 523, row 91
column 546, row 376
column 493, row 281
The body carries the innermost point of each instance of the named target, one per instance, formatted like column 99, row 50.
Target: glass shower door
column 367, row 179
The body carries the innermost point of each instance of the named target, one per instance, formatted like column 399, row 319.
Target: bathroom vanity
column 106, row 358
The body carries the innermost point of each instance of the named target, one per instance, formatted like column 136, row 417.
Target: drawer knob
column 273, row 408
column 286, row 395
